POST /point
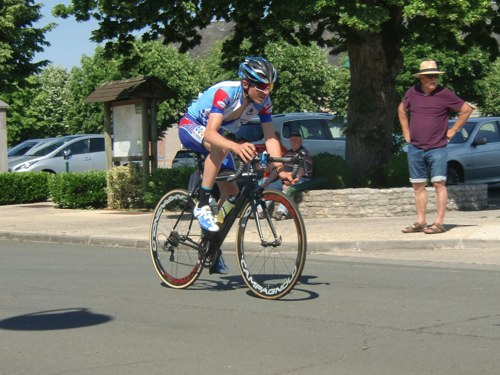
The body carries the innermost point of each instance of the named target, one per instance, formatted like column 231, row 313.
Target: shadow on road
column 54, row 319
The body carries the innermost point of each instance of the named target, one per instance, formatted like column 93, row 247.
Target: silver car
column 75, row 153
column 321, row 132
column 474, row 152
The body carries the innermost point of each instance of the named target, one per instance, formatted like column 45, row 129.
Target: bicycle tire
column 271, row 270
column 175, row 238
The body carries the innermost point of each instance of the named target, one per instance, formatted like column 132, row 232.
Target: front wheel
column 175, row 239
column 271, row 248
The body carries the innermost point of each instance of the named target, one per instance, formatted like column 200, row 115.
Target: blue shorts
column 191, row 135
column 421, row 163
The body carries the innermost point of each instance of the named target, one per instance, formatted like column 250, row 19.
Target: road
column 72, row 309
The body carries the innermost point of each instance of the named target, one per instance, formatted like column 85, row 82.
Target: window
column 489, row 131
column 80, row 147
column 463, row 134
column 337, row 128
column 97, row 145
column 250, row 132
column 309, row 129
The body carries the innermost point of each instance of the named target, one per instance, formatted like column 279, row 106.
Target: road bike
column 271, row 253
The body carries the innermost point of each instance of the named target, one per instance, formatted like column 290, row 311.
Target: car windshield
column 22, row 148
column 48, row 147
column 463, row 135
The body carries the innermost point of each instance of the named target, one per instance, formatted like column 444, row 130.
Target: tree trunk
column 375, row 61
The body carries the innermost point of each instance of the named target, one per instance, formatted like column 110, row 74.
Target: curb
column 313, row 246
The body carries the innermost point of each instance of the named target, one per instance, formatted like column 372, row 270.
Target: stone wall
column 385, row 202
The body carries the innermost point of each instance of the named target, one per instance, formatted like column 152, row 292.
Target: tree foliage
column 19, row 41
column 39, row 109
column 491, row 89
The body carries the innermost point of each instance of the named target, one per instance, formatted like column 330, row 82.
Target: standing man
column 424, row 114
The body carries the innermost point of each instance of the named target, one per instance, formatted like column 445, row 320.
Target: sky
column 69, row 40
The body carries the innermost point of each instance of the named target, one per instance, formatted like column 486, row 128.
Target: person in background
column 423, row 114
column 303, row 174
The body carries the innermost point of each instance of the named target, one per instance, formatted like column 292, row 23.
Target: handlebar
column 263, row 159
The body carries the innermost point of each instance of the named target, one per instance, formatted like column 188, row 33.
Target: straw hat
column 428, row 67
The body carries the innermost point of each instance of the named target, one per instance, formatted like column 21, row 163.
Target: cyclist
column 218, row 112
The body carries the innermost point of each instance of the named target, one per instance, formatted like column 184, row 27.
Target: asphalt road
column 72, row 309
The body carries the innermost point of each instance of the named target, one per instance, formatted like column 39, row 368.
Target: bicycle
column 271, row 254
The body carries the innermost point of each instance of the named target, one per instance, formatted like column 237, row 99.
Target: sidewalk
column 474, row 231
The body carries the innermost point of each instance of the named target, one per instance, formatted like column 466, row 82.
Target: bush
column 79, row 190
column 165, row 180
column 330, row 170
column 26, row 187
column 396, row 172
column 125, row 186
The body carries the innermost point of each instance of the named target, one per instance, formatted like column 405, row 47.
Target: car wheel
column 455, row 175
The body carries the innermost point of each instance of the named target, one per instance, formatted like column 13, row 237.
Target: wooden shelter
column 140, row 97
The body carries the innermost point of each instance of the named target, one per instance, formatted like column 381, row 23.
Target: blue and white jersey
column 225, row 98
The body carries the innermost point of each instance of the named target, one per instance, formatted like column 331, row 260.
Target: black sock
column 204, row 197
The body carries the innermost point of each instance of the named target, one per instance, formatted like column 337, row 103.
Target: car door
column 80, row 158
column 485, row 158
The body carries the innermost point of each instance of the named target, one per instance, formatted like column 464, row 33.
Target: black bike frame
column 248, row 193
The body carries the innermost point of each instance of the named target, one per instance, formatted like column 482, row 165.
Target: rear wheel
column 175, row 240
column 271, row 253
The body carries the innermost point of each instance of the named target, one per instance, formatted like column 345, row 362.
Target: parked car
column 184, row 158
column 38, row 151
column 26, row 146
column 76, row 153
column 321, row 132
column 474, row 152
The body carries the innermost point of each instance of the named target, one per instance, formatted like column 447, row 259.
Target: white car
column 74, row 153
column 321, row 132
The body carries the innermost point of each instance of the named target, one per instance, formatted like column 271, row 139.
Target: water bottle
column 225, row 209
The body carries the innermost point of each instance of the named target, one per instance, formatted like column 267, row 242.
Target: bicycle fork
column 255, row 203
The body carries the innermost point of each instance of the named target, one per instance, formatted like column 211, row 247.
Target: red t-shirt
column 429, row 115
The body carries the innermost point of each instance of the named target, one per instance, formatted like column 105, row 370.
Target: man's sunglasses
column 432, row 75
column 264, row 87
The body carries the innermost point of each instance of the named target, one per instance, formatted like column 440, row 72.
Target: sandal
column 416, row 227
column 434, row 229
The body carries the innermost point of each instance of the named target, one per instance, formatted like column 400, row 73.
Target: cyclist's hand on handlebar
column 245, row 151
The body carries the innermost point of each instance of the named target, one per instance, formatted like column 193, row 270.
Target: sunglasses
column 264, row 87
column 432, row 75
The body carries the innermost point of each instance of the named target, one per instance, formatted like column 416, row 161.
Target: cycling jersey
column 225, row 98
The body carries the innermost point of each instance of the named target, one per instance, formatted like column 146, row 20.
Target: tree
column 19, row 41
column 183, row 75
column 491, row 87
column 38, row 110
column 306, row 81
column 372, row 33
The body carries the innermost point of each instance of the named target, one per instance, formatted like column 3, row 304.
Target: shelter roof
column 132, row 88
